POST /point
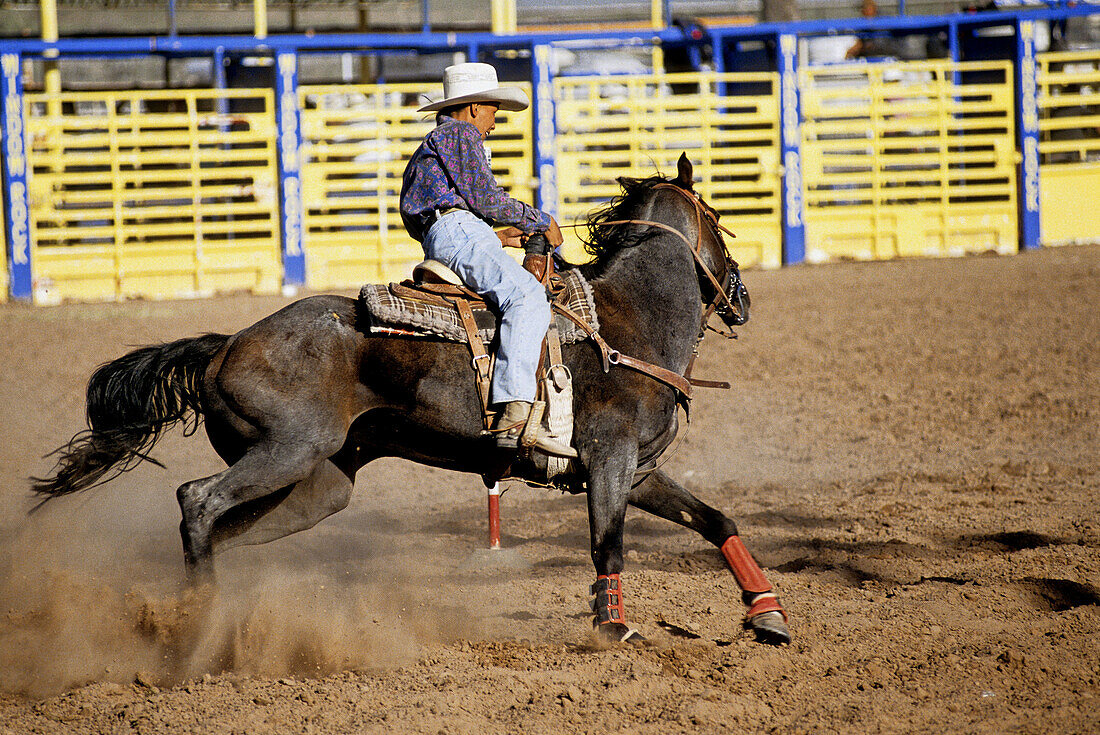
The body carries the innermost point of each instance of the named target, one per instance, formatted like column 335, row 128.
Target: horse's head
column 720, row 276
column 655, row 206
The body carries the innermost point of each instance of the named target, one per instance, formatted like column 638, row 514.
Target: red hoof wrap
column 608, row 604
column 765, row 603
column 748, row 573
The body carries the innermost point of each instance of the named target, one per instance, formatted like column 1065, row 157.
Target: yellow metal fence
column 357, row 140
column 909, row 159
column 728, row 124
column 162, row 194
column 154, row 194
column 1069, row 146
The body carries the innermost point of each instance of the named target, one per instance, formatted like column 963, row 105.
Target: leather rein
column 682, row 384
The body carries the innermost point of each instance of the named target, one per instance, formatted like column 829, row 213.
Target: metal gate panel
column 5, row 279
column 356, row 142
column 908, row 159
column 1069, row 146
column 153, row 194
column 635, row 126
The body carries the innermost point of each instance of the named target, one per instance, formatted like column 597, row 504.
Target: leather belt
column 437, row 214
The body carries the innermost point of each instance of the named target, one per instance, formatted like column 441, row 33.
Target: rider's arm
column 462, row 154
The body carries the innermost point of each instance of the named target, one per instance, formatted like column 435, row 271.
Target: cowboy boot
column 510, row 424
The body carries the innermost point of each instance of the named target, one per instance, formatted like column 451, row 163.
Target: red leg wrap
column 745, row 569
column 764, row 603
column 608, row 604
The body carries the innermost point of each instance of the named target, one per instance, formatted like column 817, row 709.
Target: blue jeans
column 467, row 245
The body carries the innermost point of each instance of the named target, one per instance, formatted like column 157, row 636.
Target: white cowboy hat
column 473, row 82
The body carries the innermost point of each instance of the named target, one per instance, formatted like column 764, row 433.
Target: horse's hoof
column 201, row 582
column 770, row 628
column 618, row 633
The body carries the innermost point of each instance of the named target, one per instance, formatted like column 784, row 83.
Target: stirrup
column 542, row 442
column 528, row 433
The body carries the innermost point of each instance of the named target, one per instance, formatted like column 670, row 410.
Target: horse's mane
column 605, row 239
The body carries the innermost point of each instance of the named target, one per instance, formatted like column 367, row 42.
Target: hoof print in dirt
column 770, row 628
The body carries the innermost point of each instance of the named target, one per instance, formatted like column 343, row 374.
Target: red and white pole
column 494, row 516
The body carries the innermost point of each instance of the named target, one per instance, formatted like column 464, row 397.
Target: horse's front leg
column 610, row 472
column 662, row 496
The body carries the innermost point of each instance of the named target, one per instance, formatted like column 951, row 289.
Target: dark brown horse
column 296, row 403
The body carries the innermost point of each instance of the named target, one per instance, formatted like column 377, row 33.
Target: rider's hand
column 511, row 237
column 553, row 234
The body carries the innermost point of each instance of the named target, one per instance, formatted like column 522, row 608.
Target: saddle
column 435, row 303
column 426, row 306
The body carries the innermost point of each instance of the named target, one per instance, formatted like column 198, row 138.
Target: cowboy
column 450, row 202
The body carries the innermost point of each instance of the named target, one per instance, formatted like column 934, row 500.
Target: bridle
column 724, row 296
column 722, row 303
column 731, row 314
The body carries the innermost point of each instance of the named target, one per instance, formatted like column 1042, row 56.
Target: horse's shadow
column 852, row 563
column 856, row 563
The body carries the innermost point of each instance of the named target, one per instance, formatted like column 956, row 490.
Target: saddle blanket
column 392, row 313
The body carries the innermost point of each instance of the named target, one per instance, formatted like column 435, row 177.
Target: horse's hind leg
column 265, row 468
column 662, row 496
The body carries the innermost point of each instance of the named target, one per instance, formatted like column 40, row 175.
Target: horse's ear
column 684, row 172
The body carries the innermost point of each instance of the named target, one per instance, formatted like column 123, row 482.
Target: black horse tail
column 131, row 402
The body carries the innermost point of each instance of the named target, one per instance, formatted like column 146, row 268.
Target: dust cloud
column 78, row 607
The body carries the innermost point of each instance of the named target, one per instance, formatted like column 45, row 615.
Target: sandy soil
column 910, row 449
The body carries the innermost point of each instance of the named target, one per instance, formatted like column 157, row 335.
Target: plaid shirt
column 450, row 169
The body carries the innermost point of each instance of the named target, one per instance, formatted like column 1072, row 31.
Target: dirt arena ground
column 911, row 449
